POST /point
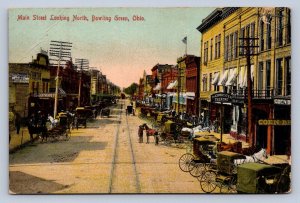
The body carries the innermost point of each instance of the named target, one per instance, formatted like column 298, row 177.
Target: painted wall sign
column 274, row 122
column 19, row 77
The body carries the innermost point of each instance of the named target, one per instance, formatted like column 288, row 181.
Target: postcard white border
column 293, row 197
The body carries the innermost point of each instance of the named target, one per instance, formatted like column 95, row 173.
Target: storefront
column 282, row 128
column 191, row 103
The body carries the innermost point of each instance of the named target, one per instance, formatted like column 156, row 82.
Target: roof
column 231, row 154
column 214, row 17
column 259, row 167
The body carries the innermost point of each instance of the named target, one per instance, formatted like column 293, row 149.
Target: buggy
column 263, row 178
column 82, row 115
column 203, row 151
column 222, row 174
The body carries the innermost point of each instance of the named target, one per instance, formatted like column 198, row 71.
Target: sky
column 122, row 50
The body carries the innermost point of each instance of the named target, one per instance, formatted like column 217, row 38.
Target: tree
column 131, row 89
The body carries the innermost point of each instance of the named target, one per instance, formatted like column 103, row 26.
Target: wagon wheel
column 203, row 149
column 208, row 181
column 184, row 161
column 169, row 140
column 229, row 186
column 67, row 136
column 198, row 169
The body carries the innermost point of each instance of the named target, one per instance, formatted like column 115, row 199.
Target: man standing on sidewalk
column 140, row 133
column 17, row 122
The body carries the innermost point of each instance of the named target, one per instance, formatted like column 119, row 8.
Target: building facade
column 224, row 68
column 28, row 82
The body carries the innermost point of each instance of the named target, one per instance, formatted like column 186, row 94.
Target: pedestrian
column 17, row 122
column 140, row 133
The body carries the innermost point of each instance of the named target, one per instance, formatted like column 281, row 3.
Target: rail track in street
column 113, row 176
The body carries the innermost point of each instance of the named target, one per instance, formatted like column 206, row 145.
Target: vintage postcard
column 150, row 100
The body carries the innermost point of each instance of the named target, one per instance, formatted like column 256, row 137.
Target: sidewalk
column 19, row 140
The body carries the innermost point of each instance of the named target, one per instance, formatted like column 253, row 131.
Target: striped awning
column 224, row 78
column 172, row 85
column 232, row 77
column 157, row 87
column 216, row 78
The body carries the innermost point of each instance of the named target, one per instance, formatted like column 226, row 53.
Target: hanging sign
column 220, row 98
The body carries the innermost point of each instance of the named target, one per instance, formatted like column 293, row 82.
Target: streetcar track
column 114, row 163
column 114, row 154
column 138, row 186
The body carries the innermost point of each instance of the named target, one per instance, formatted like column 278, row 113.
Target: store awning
column 157, row 87
column 190, row 95
column 241, row 76
column 172, row 85
column 170, row 94
column 246, row 78
column 216, row 78
column 224, row 78
column 61, row 93
column 232, row 77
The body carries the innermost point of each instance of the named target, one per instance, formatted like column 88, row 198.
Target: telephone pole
column 248, row 49
column 61, row 50
column 82, row 64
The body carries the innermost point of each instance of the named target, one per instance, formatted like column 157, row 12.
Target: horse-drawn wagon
column 82, row 114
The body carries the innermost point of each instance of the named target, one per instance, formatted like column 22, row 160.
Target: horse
column 259, row 156
column 37, row 127
column 150, row 132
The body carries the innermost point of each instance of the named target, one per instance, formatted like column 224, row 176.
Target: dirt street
column 105, row 157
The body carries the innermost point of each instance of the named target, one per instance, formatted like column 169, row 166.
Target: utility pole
column 82, row 64
column 248, row 44
column 61, row 50
column 178, row 88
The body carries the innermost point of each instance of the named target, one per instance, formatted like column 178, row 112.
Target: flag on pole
column 184, row 40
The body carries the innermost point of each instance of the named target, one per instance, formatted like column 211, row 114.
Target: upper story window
column 219, row 46
column 211, row 49
column 279, row 29
column 269, row 34
column 261, row 35
column 204, row 81
column 205, row 52
column 288, row 30
column 226, row 48
column 235, row 42
column 252, row 36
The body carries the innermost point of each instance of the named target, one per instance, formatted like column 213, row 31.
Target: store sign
column 282, row 101
column 220, row 98
column 274, row 122
column 19, row 77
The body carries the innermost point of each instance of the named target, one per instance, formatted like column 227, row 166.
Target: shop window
column 32, row 87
